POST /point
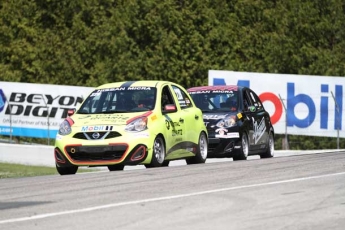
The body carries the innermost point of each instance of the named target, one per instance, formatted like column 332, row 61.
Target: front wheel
column 158, row 154
column 67, row 170
column 201, row 153
column 243, row 153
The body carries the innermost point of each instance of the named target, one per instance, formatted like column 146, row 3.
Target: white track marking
column 53, row 214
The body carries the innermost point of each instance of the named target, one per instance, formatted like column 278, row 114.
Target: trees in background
column 90, row 42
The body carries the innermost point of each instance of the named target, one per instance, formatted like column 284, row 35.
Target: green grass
column 8, row 170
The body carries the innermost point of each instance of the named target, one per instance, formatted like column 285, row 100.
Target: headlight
column 65, row 128
column 227, row 122
column 137, row 125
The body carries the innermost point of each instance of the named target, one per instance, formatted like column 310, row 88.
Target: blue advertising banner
column 36, row 110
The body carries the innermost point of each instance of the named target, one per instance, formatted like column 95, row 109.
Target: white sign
column 34, row 110
column 311, row 109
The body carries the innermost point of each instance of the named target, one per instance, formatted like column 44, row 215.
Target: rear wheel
column 67, row 170
column 201, row 154
column 158, row 153
column 116, row 167
column 270, row 148
column 243, row 153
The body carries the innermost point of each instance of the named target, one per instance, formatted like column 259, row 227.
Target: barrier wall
column 27, row 154
column 40, row 155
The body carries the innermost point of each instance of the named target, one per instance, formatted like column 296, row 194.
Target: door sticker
column 259, row 129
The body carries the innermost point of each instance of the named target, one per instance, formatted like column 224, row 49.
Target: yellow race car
column 131, row 123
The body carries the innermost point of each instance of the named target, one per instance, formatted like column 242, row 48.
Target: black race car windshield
column 216, row 100
column 119, row 100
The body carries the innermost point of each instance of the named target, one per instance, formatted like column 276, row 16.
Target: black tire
column 116, row 167
column 201, row 154
column 67, row 170
column 165, row 163
column 243, row 153
column 158, row 153
column 270, row 147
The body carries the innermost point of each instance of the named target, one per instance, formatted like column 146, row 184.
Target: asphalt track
column 290, row 191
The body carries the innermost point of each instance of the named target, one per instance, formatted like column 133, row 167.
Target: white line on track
column 42, row 216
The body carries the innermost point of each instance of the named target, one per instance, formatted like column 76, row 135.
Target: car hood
column 106, row 119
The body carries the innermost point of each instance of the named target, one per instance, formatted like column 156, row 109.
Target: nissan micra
column 131, row 123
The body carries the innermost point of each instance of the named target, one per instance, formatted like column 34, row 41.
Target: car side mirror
column 252, row 109
column 70, row 112
column 169, row 108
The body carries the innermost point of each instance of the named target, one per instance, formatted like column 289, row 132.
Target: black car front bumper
column 223, row 147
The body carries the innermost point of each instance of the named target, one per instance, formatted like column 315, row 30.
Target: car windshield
column 220, row 100
column 119, row 100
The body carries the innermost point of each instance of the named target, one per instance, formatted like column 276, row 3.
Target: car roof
column 148, row 83
column 215, row 87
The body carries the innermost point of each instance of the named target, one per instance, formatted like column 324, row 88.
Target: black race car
column 237, row 123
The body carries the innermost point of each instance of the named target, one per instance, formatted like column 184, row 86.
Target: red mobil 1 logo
column 294, row 99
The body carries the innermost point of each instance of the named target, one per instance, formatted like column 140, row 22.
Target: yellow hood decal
column 104, row 119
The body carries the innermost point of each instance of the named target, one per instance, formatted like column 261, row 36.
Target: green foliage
column 8, row 170
column 16, row 170
column 91, row 42
column 297, row 142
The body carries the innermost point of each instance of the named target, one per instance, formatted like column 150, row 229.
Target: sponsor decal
column 234, row 135
column 222, row 132
column 167, row 124
column 190, row 149
column 139, row 88
column 112, row 118
column 96, row 128
column 200, row 92
column 214, row 116
column 176, row 132
column 227, row 135
column 109, row 89
column 259, row 129
column 154, row 117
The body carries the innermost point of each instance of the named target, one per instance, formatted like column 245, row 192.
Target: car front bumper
column 120, row 150
column 223, row 147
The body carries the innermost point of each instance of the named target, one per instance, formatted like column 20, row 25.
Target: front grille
column 93, row 136
column 96, row 153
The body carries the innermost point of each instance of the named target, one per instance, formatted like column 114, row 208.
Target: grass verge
column 8, row 170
